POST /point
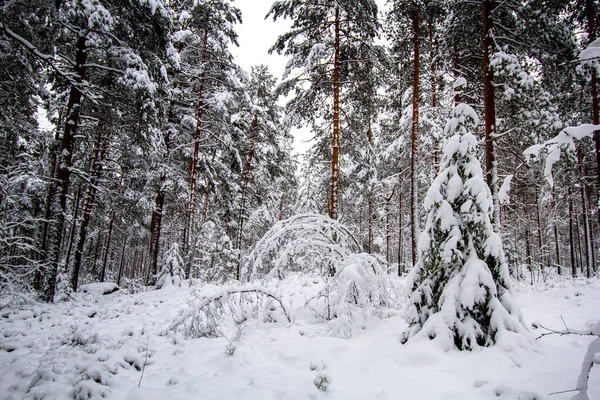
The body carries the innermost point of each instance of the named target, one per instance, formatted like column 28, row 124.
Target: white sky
column 256, row 36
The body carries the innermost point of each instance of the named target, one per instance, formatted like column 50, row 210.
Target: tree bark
column 119, row 275
column 571, row 235
column 246, row 178
column 63, row 174
column 156, row 230
column 414, row 184
column 90, row 199
column 195, row 158
column 107, row 249
column 591, row 16
column 556, row 237
column 489, row 107
column 388, row 231
column 335, row 168
column 585, row 216
column 400, row 236
column 73, row 226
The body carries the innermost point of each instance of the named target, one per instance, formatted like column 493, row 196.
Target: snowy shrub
column 356, row 285
column 322, row 381
column 63, row 289
column 359, row 290
column 461, row 293
column 305, row 242
column 216, row 259
column 172, row 272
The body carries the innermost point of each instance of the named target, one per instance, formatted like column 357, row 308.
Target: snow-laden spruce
column 172, row 273
column 461, row 293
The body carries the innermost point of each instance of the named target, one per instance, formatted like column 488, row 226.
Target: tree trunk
column 591, row 16
column 539, row 229
column 370, row 198
column 156, row 230
column 556, row 237
column 73, row 226
column 246, row 178
column 335, row 167
column 195, row 158
column 400, row 236
column 280, row 217
column 90, row 199
column 121, row 261
column 414, row 162
column 585, row 216
column 491, row 173
column 433, row 47
column 96, row 255
column 63, row 174
column 388, row 231
column 107, row 247
column 456, row 68
column 572, row 235
column 528, row 251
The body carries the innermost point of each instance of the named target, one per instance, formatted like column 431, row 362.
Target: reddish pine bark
column 414, row 216
column 335, row 167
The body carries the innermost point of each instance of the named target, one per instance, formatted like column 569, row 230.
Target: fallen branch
column 588, row 360
column 245, row 289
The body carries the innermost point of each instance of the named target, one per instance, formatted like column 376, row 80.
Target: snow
column 99, row 288
column 59, row 351
column 591, row 52
column 554, row 147
column 503, row 196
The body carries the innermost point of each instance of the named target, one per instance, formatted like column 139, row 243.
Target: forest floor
column 117, row 346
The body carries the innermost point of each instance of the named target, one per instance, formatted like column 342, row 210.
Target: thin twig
column 563, row 391
column 144, row 366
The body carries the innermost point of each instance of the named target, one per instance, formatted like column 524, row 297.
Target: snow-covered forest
column 160, row 237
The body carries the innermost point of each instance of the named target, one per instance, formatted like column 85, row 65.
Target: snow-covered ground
column 116, row 346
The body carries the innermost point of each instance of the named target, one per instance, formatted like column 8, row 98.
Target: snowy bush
column 216, row 260
column 172, row 272
column 359, row 290
column 461, row 293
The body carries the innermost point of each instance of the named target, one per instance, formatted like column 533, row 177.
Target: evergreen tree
column 319, row 42
column 460, row 285
column 172, row 273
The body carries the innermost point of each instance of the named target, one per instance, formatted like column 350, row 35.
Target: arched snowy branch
column 302, row 242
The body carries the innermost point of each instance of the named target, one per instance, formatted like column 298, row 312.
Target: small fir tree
column 172, row 272
column 461, row 293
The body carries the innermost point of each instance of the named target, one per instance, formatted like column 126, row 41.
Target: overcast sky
column 256, row 36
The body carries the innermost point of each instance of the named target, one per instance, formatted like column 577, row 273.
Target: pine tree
column 460, row 285
column 318, row 42
column 172, row 273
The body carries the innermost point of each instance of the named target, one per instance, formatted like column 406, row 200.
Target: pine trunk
column 63, row 174
column 572, row 235
column 400, row 236
column 195, row 158
column 335, row 145
column 591, row 16
column 556, row 237
column 90, row 199
column 121, row 262
column 414, row 162
column 156, row 230
column 586, row 221
column 246, row 178
column 107, row 247
column 73, row 226
column 491, row 173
